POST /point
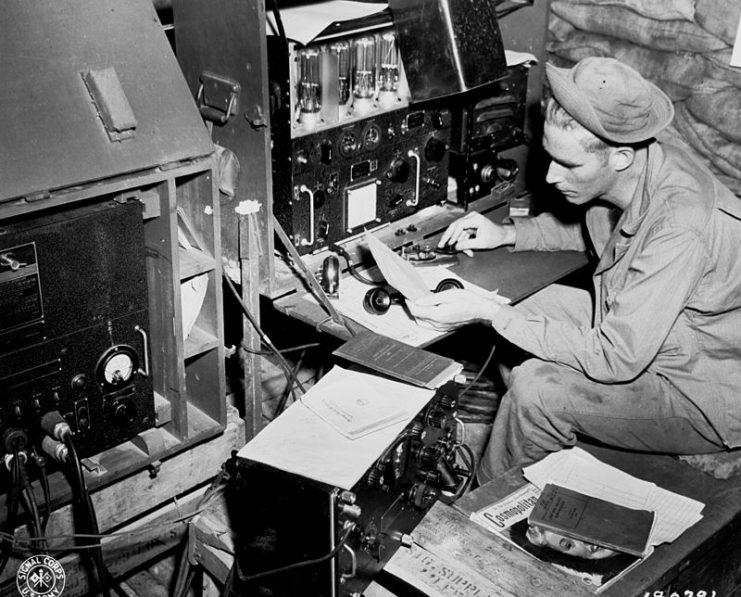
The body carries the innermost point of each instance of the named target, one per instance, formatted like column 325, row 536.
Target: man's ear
column 622, row 157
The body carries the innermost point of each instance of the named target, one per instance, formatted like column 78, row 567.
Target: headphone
column 378, row 301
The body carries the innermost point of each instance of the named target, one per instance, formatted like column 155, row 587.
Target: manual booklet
column 399, row 360
column 593, row 520
column 508, row 518
column 357, row 404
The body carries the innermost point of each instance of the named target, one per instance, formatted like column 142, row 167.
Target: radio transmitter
column 486, row 122
column 296, row 537
column 73, row 324
column 349, row 153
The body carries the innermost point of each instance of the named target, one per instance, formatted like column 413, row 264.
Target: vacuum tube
column 341, row 49
column 364, row 75
column 388, row 73
column 309, row 87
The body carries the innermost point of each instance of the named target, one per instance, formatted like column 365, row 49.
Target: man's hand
column 475, row 231
column 451, row 309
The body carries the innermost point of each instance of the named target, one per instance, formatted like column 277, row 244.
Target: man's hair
column 556, row 115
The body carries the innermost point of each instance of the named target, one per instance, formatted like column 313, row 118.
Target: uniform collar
column 636, row 212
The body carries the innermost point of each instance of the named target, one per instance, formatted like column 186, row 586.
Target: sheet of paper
column 736, row 55
column 300, row 442
column 514, row 58
column 578, row 470
column 396, row 270
column 396, row 322
column 354, row 406
column 304, row 23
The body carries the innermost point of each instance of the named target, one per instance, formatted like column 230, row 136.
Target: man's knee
column 536, row 385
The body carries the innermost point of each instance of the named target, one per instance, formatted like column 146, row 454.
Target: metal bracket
column 218, row 97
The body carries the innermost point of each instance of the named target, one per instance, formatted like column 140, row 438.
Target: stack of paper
column 579, row 471
column 300, row 441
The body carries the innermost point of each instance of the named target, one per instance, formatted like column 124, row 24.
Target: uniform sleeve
column 545, row 232
column 637, row 319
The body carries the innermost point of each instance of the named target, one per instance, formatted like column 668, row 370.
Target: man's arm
column 637, row 321
column 545, row 232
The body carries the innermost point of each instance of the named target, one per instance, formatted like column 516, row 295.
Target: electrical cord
column 295, row 565
column 351, row 267
column 12, row 504
column 101, row 576
column 476, row 377
column 44, row 479
column 30, row 542
column 289, row 386
column 263, row 336
column 185, row 571
column 32, row 509
column 282, row 350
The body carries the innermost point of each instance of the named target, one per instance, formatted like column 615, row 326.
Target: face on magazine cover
column 544, row 538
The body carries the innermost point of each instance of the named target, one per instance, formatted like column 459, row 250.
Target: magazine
column 508, row 518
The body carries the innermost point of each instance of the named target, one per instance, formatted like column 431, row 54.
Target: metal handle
column 413, row 154
column 145, row 342
column 353, row 563
column 304, row 189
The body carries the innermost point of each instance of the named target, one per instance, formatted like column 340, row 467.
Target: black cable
column 295, row 565
column 472, row 466
column 263, row 336
column 185, row 572
column 480, row 372
column 100, row 575
column 351, row 267
column 281, row 350
column 289, row 386
column 12, row 503
column 514, row 6
column 279, row 23
column 32, row 509
column 41, row 464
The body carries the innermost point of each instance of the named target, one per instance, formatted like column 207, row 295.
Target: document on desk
column 302, row 442
column 398, row 272
column 578, row 470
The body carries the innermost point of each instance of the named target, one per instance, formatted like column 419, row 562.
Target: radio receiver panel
column 490, row 120
column 74, row 324
column 345, row 536
column 349, row 153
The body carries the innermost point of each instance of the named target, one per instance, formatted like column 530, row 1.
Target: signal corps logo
column 40, row 576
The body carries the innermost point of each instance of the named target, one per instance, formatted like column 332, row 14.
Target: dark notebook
column 593, row 520
column 398, row 360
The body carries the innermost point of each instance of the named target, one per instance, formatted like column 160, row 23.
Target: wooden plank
column 133, row 545
column 122, row 502
column 457, row 554
column 693, row 559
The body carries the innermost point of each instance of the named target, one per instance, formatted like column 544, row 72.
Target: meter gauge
column 348, row 143
column 371, row 136
column 117, row 366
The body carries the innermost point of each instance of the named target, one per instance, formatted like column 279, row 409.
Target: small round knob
column 435, row 150
column 398, row 170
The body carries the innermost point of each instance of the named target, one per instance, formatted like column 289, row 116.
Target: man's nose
column 554, row 173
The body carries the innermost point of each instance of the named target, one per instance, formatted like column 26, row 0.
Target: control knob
column 435, row 150
column 398, row 170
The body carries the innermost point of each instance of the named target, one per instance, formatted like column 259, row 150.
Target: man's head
column 573, row 547
column 600, row 112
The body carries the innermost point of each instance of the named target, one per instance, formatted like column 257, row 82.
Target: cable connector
column 14, row 440
column 54, row 424
column 8, row 459
column 55, row 449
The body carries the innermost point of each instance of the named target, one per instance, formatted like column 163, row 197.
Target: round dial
column 371, row 137
column 116, row 367
column 348, row 143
